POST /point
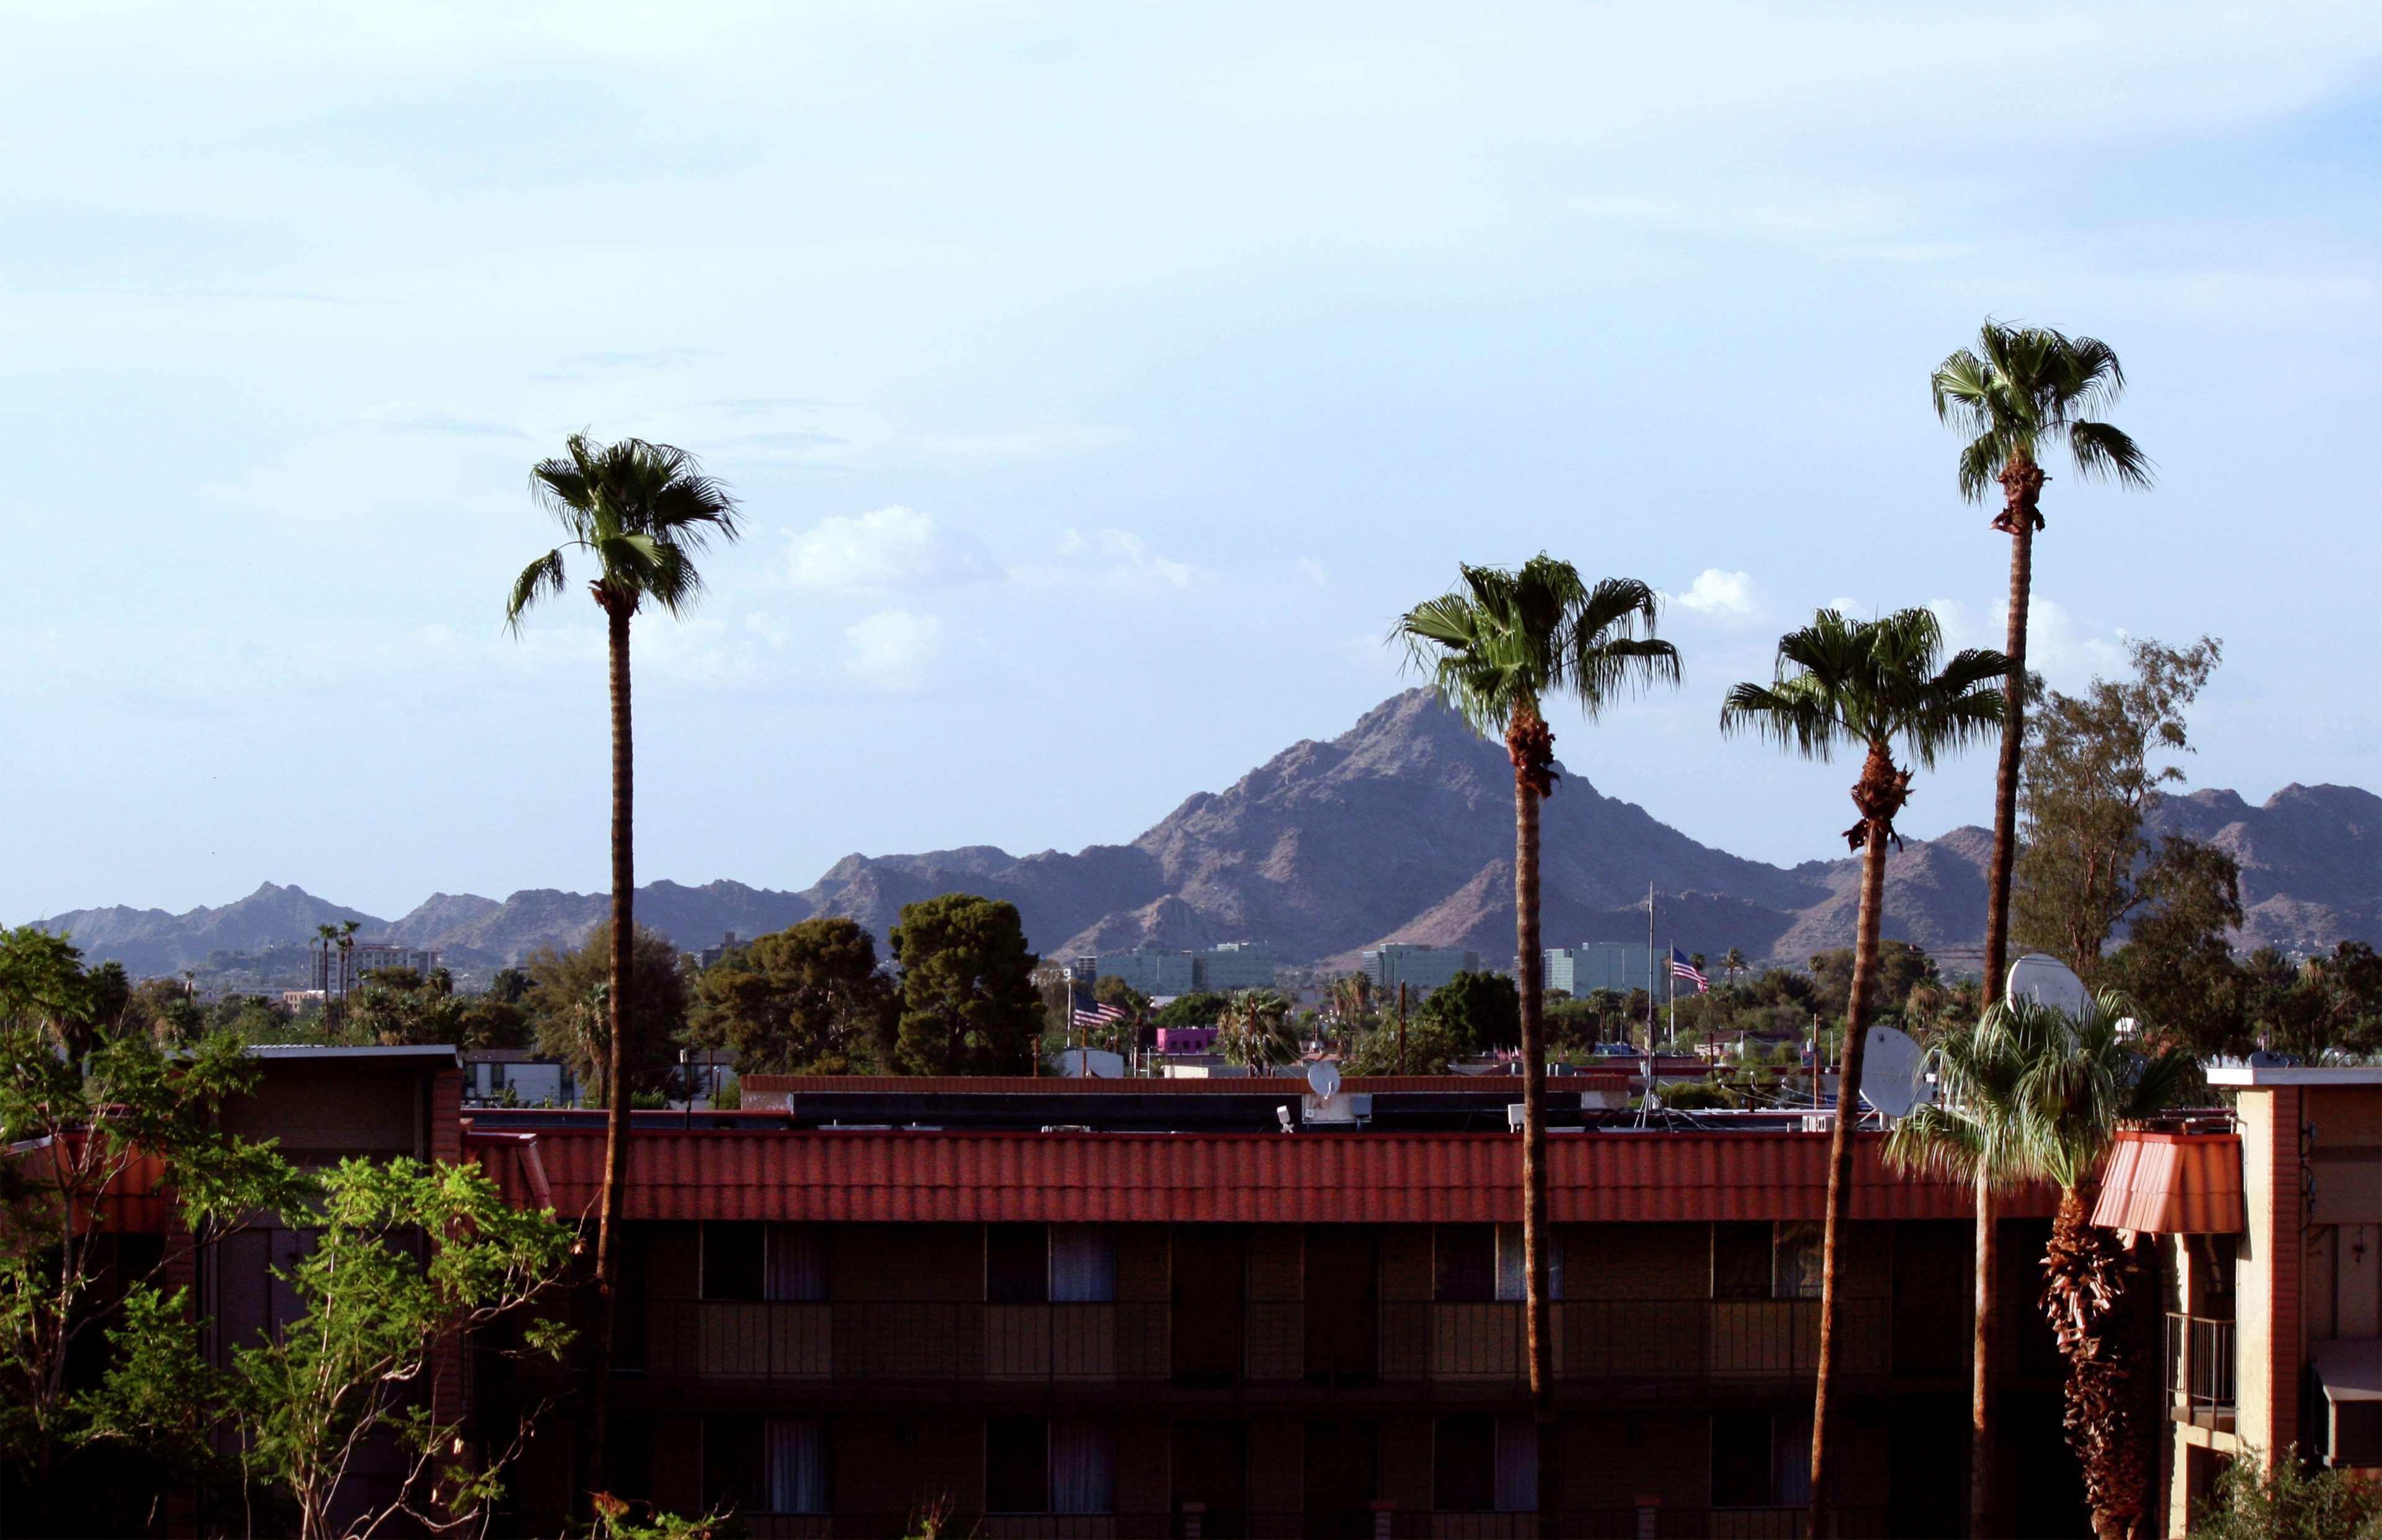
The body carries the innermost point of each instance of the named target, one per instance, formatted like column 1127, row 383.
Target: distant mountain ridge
column 1399, row 829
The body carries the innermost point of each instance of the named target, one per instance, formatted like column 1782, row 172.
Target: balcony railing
column 1279, row 1342
column 1652, row 1522
column 2199, row 1370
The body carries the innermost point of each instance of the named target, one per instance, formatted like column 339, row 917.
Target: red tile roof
column 1062, row 1085
column 2172, row 1184
column 853, row 1175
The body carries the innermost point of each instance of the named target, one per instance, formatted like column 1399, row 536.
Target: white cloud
column 890, row 648
column 1123, row 557
column 1719, row 594
column 2067, row 651
column 887, row 549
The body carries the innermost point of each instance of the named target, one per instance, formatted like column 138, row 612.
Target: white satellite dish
column 1323, row 1079
column 1890, row 1072
column 2046, row 981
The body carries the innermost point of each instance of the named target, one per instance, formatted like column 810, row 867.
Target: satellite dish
column 2046, row 981
column 1890, row 1072
column 1323, row 1079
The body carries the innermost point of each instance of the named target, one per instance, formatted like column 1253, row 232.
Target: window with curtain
column 796, row 1266
column 1083, row 1467
column 1797, row 1254
column 1517, row 1465
column 794, row 1461
column 1513, row 1269
column 1083, row 1269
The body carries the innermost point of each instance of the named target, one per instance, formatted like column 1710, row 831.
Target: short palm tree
column 1497, row 648
column 2097, row 1291
column 1870, row 685
column 2022, row 390
column 1253, row 1030
column 1978, row 1132
column 643, row 512
column 1732, row 963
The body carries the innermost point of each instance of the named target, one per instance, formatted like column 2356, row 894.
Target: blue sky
column 1100, row 381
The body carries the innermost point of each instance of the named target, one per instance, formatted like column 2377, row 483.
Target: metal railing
column 2199, row 1370
column 1279, row 1341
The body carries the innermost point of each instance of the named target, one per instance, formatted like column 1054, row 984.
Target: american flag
column 1096, row 1015
column 1681, row 968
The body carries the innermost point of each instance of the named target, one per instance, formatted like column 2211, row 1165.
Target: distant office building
column 1234, row 965
column 709, row 956
column 338, row 969
column 1163, row 972
column 1151, row 969
column 1420, row 968
column 1581, row 971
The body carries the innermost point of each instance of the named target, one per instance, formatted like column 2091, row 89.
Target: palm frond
column 540, row 578
column 2099, row 449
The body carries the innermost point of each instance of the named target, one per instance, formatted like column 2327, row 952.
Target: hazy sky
column 1100, row 382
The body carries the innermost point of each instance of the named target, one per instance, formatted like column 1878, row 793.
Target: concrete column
column 2267, row 1289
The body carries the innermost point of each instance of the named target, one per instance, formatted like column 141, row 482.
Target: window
column 1464, row 1464
column 1759, row 1261
column 731, row 1260
column 795, row 1456
column 1016, row 1465
column 1083, row 1467
column 1016, row 1270
column 1083, row 1270
column 1464, row 1263
column 1517, row 1465
column 1760, row 1459
column 1513, row 1271
column 795, row 1269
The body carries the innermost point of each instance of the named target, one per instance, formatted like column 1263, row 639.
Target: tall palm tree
column 1732, row 963
column 1497, row 648
column 643, row 512
column 1253, row 1030
column 347, row 940
column 2021, row 390
column 1870, row 685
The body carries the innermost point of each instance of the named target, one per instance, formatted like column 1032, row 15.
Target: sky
column 1099, row 383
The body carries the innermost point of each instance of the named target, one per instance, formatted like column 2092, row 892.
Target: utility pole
column 1402, row 1026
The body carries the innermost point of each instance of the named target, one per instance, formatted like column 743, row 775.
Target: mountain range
column 1399, row 829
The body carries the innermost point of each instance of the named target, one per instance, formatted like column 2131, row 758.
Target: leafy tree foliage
column 1482, row 1010
column 809, row 999
column 568, row 1008
column 1197, row 1009
column 2290, row 1500
column 1255, row 1030
column 968, row 1002
column 1429, row 1049
column 2095, row 764
column 1901, row 967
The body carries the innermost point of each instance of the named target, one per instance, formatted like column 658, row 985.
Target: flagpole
column 1675, row 990
column 1650, row 965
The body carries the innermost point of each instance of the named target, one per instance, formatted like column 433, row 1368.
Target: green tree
column 644, row 512
column 1497, row 648
column 564, row 984
column 968, row 1002
column 808, row 1000
column 79, row 1132
column 1901, row 967
column 2177, row 961
column 306, row 1402
column 2093, row 775
column 2024, row 390
column 1869, row 685
column 1429, row 1049
column 1732, row 963
column 1480, row 1009
column 1197, row 1009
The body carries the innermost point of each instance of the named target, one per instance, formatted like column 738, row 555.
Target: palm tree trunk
column 1530, row 963
column 615, row 1080
column 1980, row 1375
column 1840, row 1140
column 2005, row 772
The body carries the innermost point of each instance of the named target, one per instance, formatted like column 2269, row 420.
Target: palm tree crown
column 2025, row 386
column 642, row 511
column 1873, row 684
column 1506, row 639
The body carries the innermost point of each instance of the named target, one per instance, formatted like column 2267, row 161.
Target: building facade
column 1163, row 972
column 339, row 969
column 1420, row 968
column 1581, row 971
